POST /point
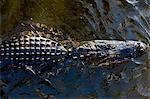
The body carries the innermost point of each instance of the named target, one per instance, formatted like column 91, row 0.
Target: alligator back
column 31, row 49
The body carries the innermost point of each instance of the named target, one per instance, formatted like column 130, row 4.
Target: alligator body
column 30, row 48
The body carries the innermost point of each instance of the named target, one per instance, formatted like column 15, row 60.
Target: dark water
column 80, row 20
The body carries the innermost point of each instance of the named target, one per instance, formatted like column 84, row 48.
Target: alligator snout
column 133, row 49
column 107, row 52
column 141, row 49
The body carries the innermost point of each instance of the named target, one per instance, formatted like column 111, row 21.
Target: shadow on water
column 80, row 20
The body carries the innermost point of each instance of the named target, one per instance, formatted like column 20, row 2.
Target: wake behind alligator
column 36, row 44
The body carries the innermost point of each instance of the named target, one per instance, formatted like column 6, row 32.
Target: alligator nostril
column 142, row 46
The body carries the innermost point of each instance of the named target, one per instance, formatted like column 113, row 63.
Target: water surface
column 80, row 20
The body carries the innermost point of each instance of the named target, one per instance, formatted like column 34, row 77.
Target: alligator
column 35, row 44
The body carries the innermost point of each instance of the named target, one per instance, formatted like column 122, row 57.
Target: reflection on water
column 81, row 20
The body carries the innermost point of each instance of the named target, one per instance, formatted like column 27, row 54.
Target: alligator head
column 106, row 52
